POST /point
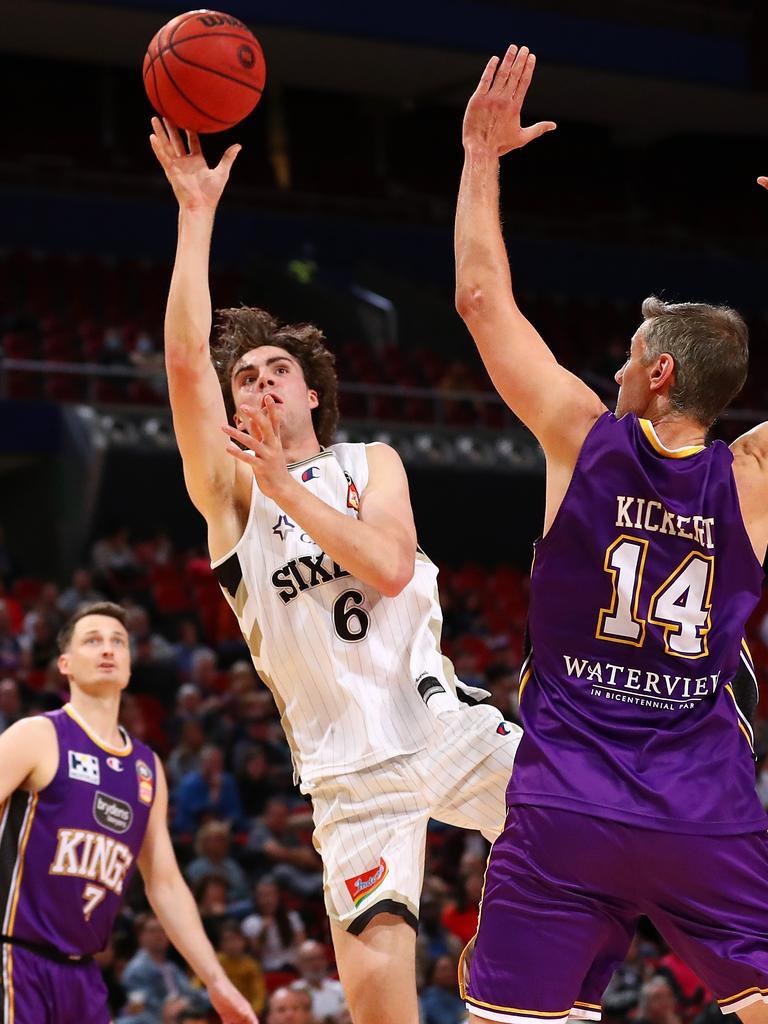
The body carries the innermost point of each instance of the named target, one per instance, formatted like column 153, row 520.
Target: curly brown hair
column 242, row 329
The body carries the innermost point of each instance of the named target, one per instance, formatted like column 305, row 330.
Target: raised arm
column 196, row 399
column 379, row 547
column 554, row 404
column 171, row 900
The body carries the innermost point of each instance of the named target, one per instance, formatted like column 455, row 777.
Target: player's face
column 271, row 370
column 98, row 655
column 633, row 380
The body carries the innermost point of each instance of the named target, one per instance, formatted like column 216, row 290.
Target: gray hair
column 710, row 346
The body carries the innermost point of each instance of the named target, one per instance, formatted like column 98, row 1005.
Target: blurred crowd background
column 339, row 212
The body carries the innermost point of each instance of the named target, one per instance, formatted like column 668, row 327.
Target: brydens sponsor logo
column 361, row 886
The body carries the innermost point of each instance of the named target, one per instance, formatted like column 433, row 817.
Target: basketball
column 204, row 71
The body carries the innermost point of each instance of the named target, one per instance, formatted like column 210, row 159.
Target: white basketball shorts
column 371, row 825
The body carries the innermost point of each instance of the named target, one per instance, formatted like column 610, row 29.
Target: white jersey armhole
column 251, row 512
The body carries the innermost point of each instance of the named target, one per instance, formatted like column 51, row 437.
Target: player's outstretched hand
column 194, row 183
column 492, row 117
column 763, row 182
column 230, row 1005
column 266, row 456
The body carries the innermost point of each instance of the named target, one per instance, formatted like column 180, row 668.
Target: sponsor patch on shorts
column 361, row 886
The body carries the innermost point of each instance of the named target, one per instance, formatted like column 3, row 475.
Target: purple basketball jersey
column 67, row 853
column 639, row 595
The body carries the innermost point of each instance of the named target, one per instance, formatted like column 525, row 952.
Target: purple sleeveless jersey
column 639, row 595
column 67, row 853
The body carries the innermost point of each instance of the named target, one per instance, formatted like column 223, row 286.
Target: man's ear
column 62, row 663
column 314, row 401
column 663, row 372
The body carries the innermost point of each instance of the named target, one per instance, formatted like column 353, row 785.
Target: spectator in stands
column 440, row 1000
column 187, row 646
column 657, row 1003
column 185, row 756
column 114, row 563
column 243, row 970
column 135, row 1010
column 242, row 679
column 623, row 992
column 213, row 845
column 691, row 994
column 253, row 781
column 143, row 639
column 433, row 939
column 207, row 793
column 38, row 644
column 460, row 917
column 277, row 848
column 212, row 897
column 46, row 607
column 10, row 652
column 80, row 591
column 287, row 1006
column 326, row 993
column 10, row 703
column 151, row 972
column 274, row 932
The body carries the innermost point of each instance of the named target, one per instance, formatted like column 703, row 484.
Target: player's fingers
column 486, row 79
column 538, row 129
column 505, row 68
column 157, row 149
column 249, row 458
column 240, row 435
column 193, row 143
column 763, row 181
column 526, row 74
column 174, row 138
column 229, row 157
column 518, row 70
column 271, row 406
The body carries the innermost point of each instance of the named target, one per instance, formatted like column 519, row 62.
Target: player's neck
column 100, row 713
column 675, row 431
column 301, row 449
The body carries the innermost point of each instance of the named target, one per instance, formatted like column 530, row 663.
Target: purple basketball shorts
column 36, row 990
column 563, row 892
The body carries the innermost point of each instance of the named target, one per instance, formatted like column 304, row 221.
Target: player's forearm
column 482, row 266
column 378, row 558
column 177, row 912
column 188, row 312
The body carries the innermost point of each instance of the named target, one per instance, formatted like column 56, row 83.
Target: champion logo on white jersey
column 84, row 767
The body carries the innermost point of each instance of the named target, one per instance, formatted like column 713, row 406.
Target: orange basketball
column 204, row 71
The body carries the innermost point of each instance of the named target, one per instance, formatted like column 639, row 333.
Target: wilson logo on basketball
column 247, row 56
column 361, row 886
column 213, row 20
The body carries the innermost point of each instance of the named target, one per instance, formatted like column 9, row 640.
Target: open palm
column 492, row 117
column 194, row 183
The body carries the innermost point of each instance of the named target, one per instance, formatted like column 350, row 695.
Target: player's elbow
column 470, row 300
column 395, row 580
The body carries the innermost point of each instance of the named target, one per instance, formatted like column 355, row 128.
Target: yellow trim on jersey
column 11, row 1014
column 524, row 683
column 670, row 453
column 544, row 1015
column 94, row 738
column 22, row 853
column 746, row 992
column 745, row 645
column 588, row 1006
column 729, row 688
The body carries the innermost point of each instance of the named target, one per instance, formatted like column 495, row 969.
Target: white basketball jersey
column 350, row 669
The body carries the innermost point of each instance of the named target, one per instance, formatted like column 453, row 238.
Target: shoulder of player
column 382, row 459
column 33, row 730
column 752, row 448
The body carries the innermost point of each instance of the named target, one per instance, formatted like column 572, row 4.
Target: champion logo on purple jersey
column 310, row 474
